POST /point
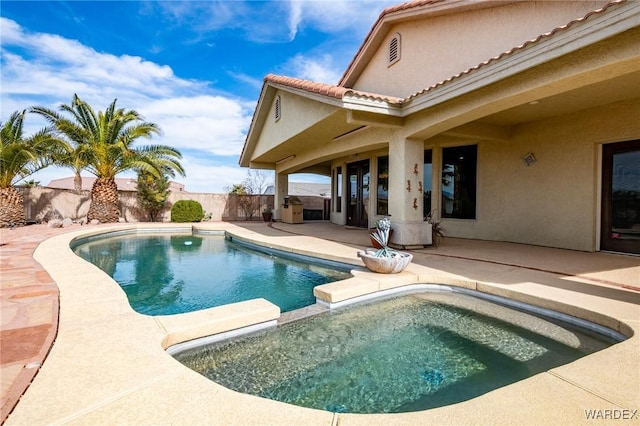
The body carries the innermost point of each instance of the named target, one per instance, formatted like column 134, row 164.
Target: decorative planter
column 267, row 216
column 376, row 244
column 385, row 265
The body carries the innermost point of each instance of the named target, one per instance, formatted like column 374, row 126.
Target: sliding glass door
column 620, row 226
column 358, row 176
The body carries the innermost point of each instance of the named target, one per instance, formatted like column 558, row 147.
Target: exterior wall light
column 529, row 159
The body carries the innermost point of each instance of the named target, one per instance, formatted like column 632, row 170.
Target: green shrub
column 187, row 211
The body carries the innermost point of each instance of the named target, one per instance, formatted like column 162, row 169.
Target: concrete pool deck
column 108, row 364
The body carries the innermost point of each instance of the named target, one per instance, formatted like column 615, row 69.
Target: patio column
column 406, row 192
column 281, row 191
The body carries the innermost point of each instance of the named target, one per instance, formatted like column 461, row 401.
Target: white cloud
column 275, row 21
column 295, row 16
column 336, row 15
column 55, row 68
column 44, row 69
column 209, row 123
column 211, row 178
column 256, row 83
column 316, row 68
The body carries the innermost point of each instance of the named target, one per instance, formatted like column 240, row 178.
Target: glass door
column 620, row 227
column 358, row 177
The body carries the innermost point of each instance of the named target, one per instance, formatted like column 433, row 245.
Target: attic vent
column 277, row 110
column 394, row 49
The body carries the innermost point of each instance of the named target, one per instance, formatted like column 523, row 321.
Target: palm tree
column 74, row 157
column 104, row 144
column 20, row 157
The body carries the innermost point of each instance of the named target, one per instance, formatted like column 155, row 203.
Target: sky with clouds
column 195, row 68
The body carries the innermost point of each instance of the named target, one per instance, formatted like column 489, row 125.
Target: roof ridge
column 406, row 5
column 330, row 90
column 326, row 89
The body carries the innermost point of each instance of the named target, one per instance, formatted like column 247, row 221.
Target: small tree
column 254, row 184
column 152, row 194
column 245, row 200
column 256, row 181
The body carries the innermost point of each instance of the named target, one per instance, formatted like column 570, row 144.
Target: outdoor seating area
column 112, row 365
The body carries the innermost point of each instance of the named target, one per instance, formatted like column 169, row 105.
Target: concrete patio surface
column 68, row 330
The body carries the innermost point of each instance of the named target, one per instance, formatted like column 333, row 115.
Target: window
column 459, row 167
column 394, row 49
column 383, row 186
column 426, row 186
column 339, row 190
column 277, row 109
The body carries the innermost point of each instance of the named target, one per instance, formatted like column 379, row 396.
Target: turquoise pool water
column 169, row 274
column 408, row 353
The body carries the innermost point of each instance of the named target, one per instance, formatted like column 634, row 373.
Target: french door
column 620, row 221
column 358, row 176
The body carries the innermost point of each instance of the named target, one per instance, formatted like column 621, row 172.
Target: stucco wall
column 64, row 203
column 554, row 202
column 67, row 203
column 426, row 43
column 296, row 115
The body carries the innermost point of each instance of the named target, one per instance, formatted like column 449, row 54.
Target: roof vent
column 394, row 49
column 277, row 110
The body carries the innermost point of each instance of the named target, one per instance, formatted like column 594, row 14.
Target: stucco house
column 509, row 120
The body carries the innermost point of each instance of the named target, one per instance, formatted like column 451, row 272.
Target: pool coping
column 97, row 322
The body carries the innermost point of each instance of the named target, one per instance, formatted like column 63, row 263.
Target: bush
column 187, row 211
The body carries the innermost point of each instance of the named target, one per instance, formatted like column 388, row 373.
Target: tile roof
column 340, row 92
column 405, row 6
column 329, row 90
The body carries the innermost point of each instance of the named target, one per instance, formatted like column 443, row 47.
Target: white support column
column 406, row 187
column 281, row 191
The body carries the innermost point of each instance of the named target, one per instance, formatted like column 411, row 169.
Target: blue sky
column 195, row 68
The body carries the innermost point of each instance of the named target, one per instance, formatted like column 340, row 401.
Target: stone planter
column 385, row 265
column 374, row 243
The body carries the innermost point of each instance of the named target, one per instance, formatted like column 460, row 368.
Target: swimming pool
column 406, row 353
column 164, row 274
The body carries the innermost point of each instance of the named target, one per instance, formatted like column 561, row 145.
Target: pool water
column 171, row 274
column 408, row 353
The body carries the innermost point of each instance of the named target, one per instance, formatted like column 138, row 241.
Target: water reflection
column 169, row 274
column 154, row 279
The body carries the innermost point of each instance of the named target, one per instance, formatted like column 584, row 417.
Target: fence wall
column 45, row 203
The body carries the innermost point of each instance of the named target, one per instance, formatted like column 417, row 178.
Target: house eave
column 360, row 108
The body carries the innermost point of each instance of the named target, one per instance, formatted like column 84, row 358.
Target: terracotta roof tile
column 309, row 86
column 406, row 6
column 329, row 90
